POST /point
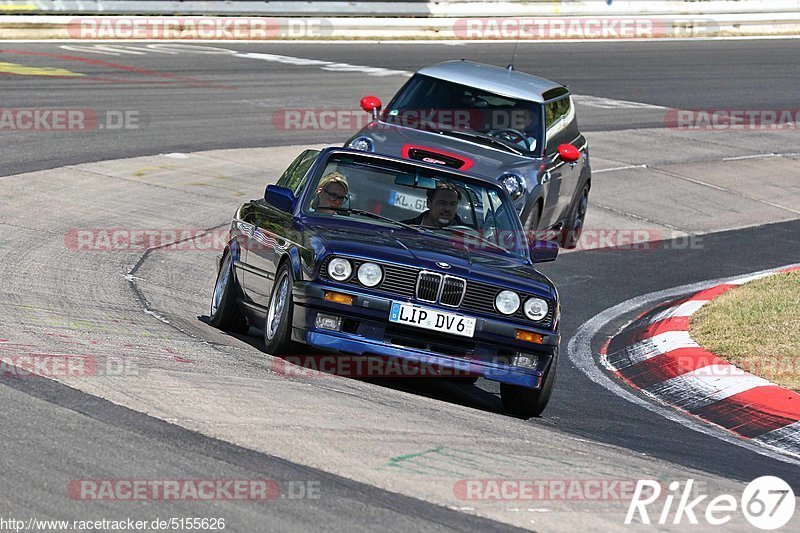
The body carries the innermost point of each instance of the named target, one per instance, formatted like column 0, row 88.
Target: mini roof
column 497, row 80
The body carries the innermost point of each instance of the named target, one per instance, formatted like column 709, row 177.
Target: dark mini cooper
column 375, row 256
column 497, row 123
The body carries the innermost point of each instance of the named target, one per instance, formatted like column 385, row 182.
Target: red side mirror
column 371, row 104
column 569, row 153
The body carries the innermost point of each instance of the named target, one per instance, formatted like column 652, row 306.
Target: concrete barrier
column 396, row 8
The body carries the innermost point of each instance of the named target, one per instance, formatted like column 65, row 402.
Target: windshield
column 430, row 103
column 467, row 213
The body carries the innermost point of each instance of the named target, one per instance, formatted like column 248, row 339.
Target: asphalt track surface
column 182, row 116
column 40, row 438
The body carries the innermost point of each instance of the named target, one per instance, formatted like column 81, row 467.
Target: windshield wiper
column 467, row 233
column 483, row 137
column 369, row 214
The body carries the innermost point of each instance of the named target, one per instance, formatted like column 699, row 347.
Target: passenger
column 331, row 193
column 442, row 204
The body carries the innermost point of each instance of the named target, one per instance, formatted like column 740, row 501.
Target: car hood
column 424, row 251
column 482, row 160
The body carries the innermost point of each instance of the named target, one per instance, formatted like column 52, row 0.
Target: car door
column 273, row 232
column 560, row 177
column 572, row 135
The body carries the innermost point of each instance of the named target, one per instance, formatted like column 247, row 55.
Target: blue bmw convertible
column 354, row 253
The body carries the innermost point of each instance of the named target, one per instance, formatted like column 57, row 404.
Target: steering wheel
column 513, row 136
column 466, row 229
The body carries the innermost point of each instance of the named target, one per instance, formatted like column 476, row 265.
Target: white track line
column 658, row 345
column 683, row 310
column 629, row 167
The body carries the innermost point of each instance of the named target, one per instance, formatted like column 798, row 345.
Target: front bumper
column 366, row 330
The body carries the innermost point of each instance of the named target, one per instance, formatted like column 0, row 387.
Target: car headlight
column 340, row 269
column 515, row 184
column 364, row 144
column 535, row 309
column 507, row 302
column 370, row 274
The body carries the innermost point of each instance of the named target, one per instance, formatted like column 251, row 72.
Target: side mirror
column 543, row 251
column 280, row 197
column 569, row 153
column 372, row 105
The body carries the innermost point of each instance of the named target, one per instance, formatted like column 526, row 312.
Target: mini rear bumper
column 366, row 330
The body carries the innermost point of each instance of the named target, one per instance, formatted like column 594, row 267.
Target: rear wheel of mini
column 278, row 326
column 574, row 228
column 532, row 224
column 225, row 312
column 525, row 402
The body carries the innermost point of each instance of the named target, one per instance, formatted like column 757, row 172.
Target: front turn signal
column 338, row 298
column 529, row 336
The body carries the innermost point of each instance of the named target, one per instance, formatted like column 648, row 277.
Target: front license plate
column 426, row 318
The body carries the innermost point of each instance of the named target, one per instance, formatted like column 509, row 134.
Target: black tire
column 278, row 325
column 525, row 402
column 225, row 313
column 577, row 218
column 532, row 224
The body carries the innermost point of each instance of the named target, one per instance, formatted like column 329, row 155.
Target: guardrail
column 393, row 8
column 410, row 19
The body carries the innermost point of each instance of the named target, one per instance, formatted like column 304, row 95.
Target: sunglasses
column 333, row 197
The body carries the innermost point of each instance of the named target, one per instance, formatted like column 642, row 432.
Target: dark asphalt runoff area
column 189, row 102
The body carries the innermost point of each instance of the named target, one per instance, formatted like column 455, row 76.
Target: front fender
column 293, row 257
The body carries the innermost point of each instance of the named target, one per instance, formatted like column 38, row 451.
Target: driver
column 442, row 203
column 331, row 193
column 517, row 127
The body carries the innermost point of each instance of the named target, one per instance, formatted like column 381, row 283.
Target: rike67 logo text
column 767, row 503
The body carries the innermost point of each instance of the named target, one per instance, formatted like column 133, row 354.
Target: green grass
column 756, row 327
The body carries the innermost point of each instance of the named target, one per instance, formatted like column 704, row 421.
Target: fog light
column 331, row 322
column 338, row 298
column 526, row 360
column 529, row 336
